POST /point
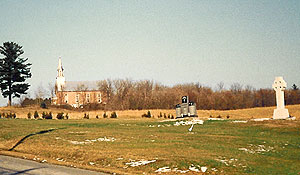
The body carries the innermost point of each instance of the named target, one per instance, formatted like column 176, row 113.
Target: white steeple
column 60, row 79
column 60, row 69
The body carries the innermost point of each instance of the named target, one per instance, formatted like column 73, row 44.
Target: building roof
column 81, row 86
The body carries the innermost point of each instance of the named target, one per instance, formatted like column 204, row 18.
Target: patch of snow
column 214, row 169
column 139, row 163
column 60, row 160
column 203, row 169
column 192, row 122
column 104, row 139
column 261, row 119
column 239, row 121
column 192, row 168
column 78, row 132
column 165, row 169
column 257, row 149
column 215, row 119
column 227, row 162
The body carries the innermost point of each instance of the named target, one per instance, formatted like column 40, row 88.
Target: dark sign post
column 185, row 99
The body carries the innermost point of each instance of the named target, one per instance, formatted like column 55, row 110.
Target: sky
column 167, row 41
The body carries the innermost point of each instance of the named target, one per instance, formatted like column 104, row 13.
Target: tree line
column 145, row 94
column 122, row 94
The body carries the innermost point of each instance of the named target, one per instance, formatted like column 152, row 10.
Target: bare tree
column 40, row 93
column 51, row 89
column 220, row 86
column 106, row 87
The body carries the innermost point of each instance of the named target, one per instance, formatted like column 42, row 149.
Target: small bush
column 227, row 116
column 105, row 115
column 49, row 116
column 67, row 116
column 172, row 116
column 113, row 115
column 29, row 115
column 60, row 116
column 43, row 105
column 43, row 115
column 148, row 115
column 165, row 116
column 9, row 115
column 36, row 115
column 14, row 115
column 86, row 116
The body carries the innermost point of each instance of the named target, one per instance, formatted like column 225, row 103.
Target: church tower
column 60, row 79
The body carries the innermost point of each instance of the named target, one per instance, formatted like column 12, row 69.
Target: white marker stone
column 279, row 86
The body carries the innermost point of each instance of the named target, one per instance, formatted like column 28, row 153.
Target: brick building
column 75, row 93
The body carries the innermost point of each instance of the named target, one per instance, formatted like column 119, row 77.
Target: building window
column 66, row 98
column 87, row 98
column 77, row 98
column 99, row 99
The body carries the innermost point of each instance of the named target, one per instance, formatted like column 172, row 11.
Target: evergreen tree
column 13, row 71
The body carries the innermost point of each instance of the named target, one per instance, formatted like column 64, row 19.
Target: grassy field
column 120, row 145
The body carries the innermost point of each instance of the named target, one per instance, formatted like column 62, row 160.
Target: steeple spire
column 60, row 79
column 60, row 69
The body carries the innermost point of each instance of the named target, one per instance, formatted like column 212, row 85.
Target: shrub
column 160, row 115
column 60, row 116
column 48, row 116
column 36, row 115
column 113, row 115
column 43, row 105
column 9, row 115
column 148, row 115
column 67, row 116
column 29, row 115
column 43, row 115
column 165, row 116
column 227, row 116
column 86, row 116
column 105, row 115
column 14, row 115
column 172, row 116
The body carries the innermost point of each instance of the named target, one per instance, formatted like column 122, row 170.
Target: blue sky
column 171, row 42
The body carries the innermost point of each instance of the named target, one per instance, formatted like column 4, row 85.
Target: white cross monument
column 279, row 86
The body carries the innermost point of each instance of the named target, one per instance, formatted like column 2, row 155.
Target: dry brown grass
column 262, row 112
column 170, row 145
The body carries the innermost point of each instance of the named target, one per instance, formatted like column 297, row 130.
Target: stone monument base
column 281, row 114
